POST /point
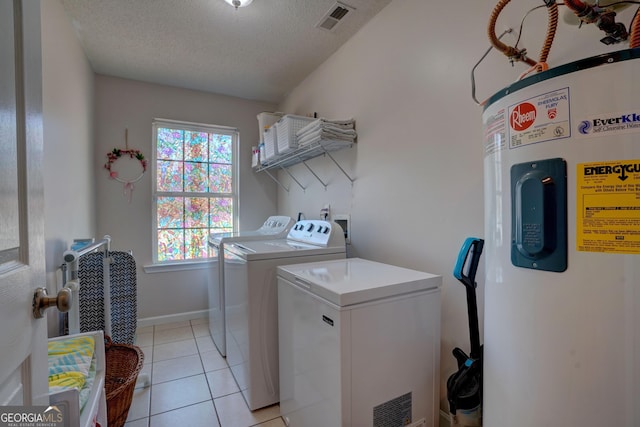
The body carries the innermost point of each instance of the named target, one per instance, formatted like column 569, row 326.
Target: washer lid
column 279, row 248
column 274, row 227
column 354, row 280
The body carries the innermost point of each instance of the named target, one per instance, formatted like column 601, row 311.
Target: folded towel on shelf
column 328, row 144
column 324, row 124
column 329, row 133
column 345, row 122
column 326, row 134
column 337, row 131
column 333, row 145
column 320, row 128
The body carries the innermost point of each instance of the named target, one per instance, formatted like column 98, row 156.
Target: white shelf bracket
column 276, row 180
column 293, row 178
column 314, row 174
column 301, row 155
column 339, row 167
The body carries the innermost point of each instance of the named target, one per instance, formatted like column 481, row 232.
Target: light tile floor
column 191, row 384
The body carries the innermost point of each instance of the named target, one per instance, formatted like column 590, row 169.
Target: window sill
column 178, row 266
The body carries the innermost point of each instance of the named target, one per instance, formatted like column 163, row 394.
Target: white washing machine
column 274, row 227
column 359, row 344
column 251, row 301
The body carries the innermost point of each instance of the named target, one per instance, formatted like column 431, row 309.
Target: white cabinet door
column 23, row 339
column 311, row 369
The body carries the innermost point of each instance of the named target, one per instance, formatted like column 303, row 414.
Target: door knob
column 42, row 301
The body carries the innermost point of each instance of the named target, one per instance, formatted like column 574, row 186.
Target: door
column 311, row 369
column 23, row 339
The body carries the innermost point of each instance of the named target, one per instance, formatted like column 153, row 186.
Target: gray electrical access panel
column 539, row 215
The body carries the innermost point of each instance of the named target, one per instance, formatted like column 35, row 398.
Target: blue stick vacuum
column 464, row 387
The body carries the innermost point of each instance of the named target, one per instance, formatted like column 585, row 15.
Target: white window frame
column 196, row 127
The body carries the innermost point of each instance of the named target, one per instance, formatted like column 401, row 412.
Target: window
column 195, row 187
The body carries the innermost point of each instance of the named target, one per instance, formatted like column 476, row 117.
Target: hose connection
column 520, row 55
column 514, row 55
column 616, row 31
column 604, row 19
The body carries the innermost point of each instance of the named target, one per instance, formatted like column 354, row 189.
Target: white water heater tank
column 562, row 247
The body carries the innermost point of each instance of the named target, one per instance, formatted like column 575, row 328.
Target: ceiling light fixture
column 239, row 3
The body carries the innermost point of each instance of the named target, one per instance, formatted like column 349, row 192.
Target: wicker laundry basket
column 123, row 364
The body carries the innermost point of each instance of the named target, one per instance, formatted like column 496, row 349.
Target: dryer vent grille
column 334, row 16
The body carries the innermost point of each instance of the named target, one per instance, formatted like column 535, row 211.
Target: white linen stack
column 331, row 134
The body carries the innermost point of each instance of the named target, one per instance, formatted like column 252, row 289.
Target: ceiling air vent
column 334, row 16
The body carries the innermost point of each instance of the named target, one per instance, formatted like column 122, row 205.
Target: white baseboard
column 171, row 318
column 445, row 419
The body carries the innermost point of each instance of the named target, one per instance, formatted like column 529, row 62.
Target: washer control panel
column 275, row 224
column 315, row 232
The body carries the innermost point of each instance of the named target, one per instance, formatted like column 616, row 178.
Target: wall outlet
column 325, row 211
column 344, row 221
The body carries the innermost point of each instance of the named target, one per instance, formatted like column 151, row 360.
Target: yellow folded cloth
column 69, row 362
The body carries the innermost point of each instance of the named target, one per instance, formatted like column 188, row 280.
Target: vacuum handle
column 470, row 256
column 461, row 356
column 474, row 246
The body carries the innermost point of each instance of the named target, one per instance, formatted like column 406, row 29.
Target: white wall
column 405, row 78
column 69, row 183
column 125, row 104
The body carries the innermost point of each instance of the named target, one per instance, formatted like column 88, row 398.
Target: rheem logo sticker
column 538, row 119
column 523, row 116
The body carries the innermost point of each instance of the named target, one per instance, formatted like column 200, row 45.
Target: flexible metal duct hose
column 509, row 51
column 634, row 41
column 512, row 52
column 551, row 33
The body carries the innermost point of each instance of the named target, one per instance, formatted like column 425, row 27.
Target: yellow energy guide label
column 608, row 207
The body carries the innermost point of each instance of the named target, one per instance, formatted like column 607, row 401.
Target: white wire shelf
column 301, row 155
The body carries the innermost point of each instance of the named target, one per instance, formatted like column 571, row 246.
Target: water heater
column 562, row 247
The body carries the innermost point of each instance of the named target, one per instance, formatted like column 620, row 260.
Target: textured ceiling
column 259, row 52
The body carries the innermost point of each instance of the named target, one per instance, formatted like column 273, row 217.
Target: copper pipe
column 603, row 18
column 509, row 51
column 512, row 52
column 634, row 39
column 551, row 33
column 584, row 11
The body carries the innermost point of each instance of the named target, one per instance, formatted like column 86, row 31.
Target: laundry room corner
column 417, row 165
column 127, row 108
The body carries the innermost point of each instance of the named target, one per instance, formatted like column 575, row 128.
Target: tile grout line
column 206, row 378
column 153, row 350
column 204, row 372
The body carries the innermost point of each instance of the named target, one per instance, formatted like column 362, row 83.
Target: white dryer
column 275, row 227
column 359, row 344
column 251, row 301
